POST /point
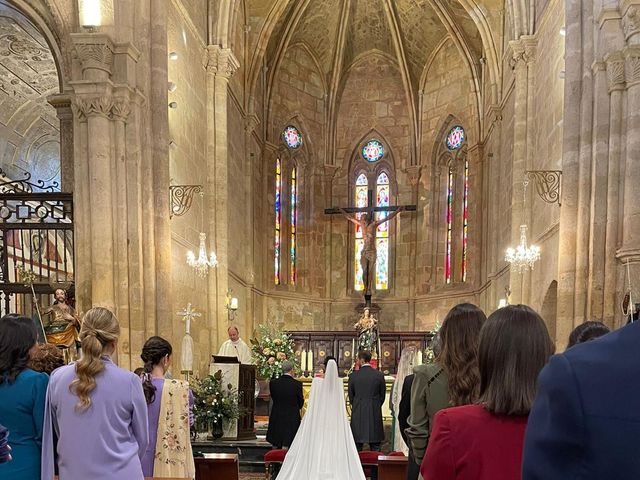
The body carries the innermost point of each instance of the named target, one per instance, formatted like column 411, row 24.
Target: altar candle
column 419, row 359
column 353, row 348
column 303, row 361
column 310, row 361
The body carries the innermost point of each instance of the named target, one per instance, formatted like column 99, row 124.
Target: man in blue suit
column 585, row 421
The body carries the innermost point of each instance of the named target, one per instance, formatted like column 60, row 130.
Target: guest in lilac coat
column 169, row 451
column 97, row 410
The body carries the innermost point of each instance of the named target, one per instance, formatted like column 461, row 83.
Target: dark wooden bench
column 392, row 468
column 217, row 466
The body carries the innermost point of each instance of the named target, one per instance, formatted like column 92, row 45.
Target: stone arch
column 34, row 69
column 549, row 310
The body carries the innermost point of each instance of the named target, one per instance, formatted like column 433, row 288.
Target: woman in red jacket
column 484, row 441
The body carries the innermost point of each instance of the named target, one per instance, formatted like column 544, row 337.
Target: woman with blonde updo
column 97, row 409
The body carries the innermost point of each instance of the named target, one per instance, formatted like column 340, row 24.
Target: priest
column 236, row 347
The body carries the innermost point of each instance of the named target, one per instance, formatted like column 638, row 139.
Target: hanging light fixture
column 204, row 261
column 524, row 256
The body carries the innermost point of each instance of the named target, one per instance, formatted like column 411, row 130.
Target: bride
column 323, row 448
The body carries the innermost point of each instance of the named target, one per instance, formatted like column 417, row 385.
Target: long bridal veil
column 323, row 448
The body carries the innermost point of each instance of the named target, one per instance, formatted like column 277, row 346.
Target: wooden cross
column 368, row 224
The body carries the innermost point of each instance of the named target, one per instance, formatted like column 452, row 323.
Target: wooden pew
column 392, row 468
column 217, row 466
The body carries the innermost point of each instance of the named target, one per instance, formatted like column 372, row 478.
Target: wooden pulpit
column 243, row 378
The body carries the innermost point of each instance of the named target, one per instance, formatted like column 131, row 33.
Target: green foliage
column 270, row 349
column 214, row 401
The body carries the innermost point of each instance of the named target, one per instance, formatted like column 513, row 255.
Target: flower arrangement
column 214, row 401
column 270, row 349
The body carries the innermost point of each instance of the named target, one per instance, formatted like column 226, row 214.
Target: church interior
column 204, row 164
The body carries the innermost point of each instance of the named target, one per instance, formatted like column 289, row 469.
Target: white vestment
column 237, row 349
column 323, row 448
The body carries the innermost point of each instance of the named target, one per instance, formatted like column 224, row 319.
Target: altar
column 386, row 411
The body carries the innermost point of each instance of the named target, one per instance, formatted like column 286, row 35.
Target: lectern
column 243, row 378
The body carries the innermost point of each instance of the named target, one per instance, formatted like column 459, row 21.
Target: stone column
column 94, row 101
column 522, row 56
column 616, row 84
column 62, row 104
column 221, row 65
column 413, row 175
column 476, row 216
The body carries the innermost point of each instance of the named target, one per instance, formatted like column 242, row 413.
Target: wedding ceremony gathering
column 319, row 239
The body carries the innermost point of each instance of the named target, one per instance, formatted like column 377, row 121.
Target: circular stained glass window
column 292, row 137
column 373, row 151
column 455, row 139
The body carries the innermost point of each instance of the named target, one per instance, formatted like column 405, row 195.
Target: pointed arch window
column 382, row 233
column 278, row 226
column 362, row 195
column 293, row 226
column 454, row 226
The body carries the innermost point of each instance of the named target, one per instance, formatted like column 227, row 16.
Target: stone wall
column 187, row 154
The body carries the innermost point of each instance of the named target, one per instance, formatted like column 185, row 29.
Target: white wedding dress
column 323, row 448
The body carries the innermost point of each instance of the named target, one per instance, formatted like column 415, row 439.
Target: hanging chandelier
column 202, row 263
column 523, row 257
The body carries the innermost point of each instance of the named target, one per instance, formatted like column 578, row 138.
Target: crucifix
column 365, row 218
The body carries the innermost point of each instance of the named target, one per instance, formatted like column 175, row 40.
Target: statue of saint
column 367, row 328
column 61, row 323
column 368, row 224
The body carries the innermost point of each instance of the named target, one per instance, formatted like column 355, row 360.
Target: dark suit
column 404, row 410
column 585, row 421
column 286, row 393
column 367, row 391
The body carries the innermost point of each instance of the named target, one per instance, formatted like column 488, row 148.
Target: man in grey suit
column 367, row 391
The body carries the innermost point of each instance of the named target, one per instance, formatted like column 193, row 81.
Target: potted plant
column 214, row 402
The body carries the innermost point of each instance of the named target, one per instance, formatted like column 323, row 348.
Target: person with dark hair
column 367, row 391
column 585, row 421
column 46, row 358
column 22, row 397
column 5, row 448
column 97, row 409
column 587, row 331
column 451, row 380
column 483, row 441
column 288, row 399
column 168, row 402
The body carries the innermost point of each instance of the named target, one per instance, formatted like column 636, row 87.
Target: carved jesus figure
column 368, row 224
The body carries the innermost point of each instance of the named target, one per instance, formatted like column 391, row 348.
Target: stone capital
column 251, row 122
column 630, row 19
column 95, row 53
column 62, row 103
column 99, row 105
column 221, row 61
column 632, row 65
column 413, row 174
column 523, row 51
column 615, row 71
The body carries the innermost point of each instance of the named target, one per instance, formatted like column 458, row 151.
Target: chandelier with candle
column 524, row 256
column 203, row 261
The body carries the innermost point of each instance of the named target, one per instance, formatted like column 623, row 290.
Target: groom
column 366, row 395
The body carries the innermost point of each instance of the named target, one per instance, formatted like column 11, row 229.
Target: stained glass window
column 382, row 234
column 465, row 220
column 373, row 151
column 292, row 137
column 278, row 207
column 449, row 239
column 455, row 138
column 294, row 225
column 362, row 197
